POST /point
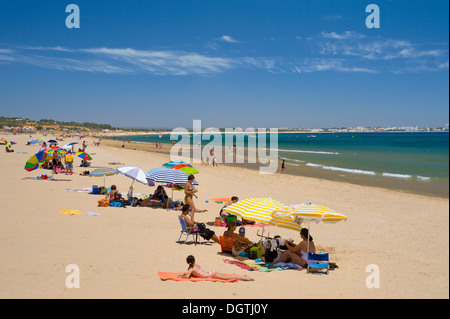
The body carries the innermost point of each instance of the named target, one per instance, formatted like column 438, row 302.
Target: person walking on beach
column 283, row 166
column 213, row 157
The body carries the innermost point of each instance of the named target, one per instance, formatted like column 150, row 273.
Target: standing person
column 123, row 143
column 84, row 146
column 69, row 162
column 189, row 192
column 213, row 156
column 283, row 166
column 54, row 162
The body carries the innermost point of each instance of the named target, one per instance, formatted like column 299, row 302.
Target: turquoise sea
column 417, row 161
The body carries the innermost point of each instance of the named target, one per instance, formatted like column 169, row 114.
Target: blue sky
column 241, row 63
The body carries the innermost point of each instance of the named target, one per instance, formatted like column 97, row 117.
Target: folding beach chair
column 318, row 263
column 188, row 231
column 226, row 244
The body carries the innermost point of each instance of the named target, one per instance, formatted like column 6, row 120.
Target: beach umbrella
column 52, row 142
column 69, row 146
column 170, row 176
column 135, row 173
column 60, row 152
column 174, row 163
column 314, row 213
column 83, row 155
column 9, row 143
column 157, row 169
column 35, row 161
column 258, row 209
column 185, row 168
column 103, row 171
column 33, row 142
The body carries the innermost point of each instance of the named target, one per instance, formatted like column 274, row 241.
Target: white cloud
column 229, row 39
column 343, row 36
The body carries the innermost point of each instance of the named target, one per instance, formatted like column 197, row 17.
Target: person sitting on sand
column 160, row 194
column 298, row 253
column 9, row 149
column 114, row 196
column 206, row 233
column 241, row 243
column 223, row 214
column 196, row 271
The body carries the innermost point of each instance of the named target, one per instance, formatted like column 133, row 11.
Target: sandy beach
column 120, row 251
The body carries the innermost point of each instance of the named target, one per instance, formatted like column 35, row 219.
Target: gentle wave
column 303, row 151
column 365, row 172
column 347, row 170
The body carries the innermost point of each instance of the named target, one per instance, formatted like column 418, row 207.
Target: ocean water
column 417, row 161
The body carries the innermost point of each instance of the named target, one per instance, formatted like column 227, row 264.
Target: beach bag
column 103, row 202
column 270, row 256
column 255, row 252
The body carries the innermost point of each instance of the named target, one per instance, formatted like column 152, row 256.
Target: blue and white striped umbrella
column 154, row 170
column 170, row 176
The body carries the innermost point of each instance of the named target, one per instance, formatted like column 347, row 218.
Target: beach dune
column 119, row 252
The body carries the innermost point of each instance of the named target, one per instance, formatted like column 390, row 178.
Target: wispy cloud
column 361, row 49
column 342, row 36
column 229, row 39
column 324, row 64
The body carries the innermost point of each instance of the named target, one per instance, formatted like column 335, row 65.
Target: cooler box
column 94, row 189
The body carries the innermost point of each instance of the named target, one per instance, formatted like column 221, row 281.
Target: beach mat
column 174, row 276
column 251, row 265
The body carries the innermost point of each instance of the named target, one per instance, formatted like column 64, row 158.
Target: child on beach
column 196, row 271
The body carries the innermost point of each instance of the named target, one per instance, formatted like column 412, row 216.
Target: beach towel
column 80, row 190
column 70, row 212
column 174, row 276
column 252, row 265
column 115, row 163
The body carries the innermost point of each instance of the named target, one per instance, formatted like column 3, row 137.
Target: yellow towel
column 70, row 212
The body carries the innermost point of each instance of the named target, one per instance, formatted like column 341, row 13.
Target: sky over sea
column 163, row 64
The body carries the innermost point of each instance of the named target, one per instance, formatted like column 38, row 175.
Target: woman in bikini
column 298, row 253
column 196, row 271
column 189, row 192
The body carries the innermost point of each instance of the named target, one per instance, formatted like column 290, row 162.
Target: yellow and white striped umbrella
column 317, row 213
column 286, row 220
column 257, row 209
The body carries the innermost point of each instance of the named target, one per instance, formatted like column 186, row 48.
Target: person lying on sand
column 197, row 271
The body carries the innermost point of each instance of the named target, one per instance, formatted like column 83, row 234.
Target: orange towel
column 174, row 276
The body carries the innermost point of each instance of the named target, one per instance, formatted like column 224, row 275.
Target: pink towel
column 174, row 276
